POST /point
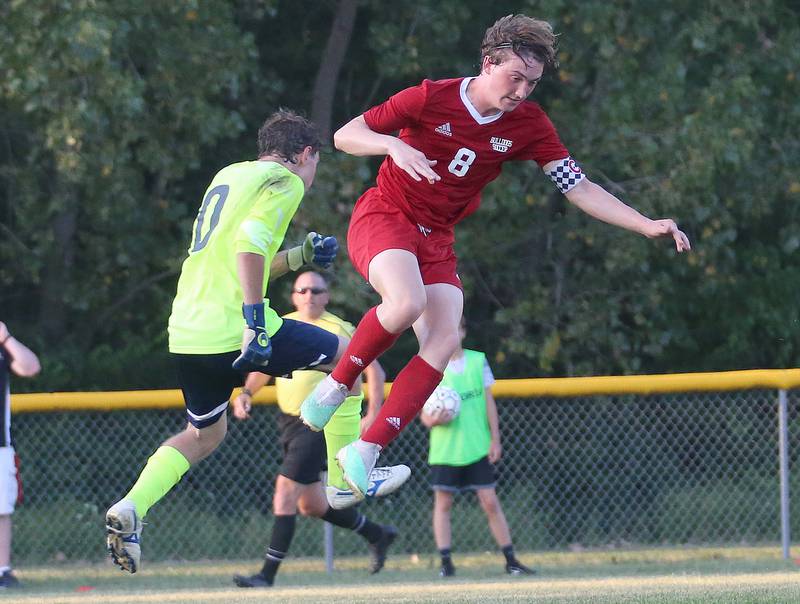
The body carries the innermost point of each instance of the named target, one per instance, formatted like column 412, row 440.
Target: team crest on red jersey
column 500, row 144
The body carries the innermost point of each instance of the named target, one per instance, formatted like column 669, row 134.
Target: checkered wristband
column 566, row 174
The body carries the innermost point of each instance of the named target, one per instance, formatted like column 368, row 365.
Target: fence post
column 327, row 532
column 783, row 451
column 328, row 541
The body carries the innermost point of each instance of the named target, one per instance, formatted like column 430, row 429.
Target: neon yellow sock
column 334, row 442
column 163, row 471
column 339, row 432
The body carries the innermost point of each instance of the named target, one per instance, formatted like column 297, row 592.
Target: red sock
column 369, row 341
column 410, row 390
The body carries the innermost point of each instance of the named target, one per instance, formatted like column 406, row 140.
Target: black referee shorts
column 304, row 452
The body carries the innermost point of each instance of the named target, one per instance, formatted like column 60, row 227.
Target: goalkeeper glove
column 256, row 347
column 316, row 249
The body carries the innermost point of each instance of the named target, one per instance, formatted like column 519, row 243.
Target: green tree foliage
column 116, row 115
column 685, row 110
column 107, row 109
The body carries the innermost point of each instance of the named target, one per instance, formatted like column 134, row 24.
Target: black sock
column 445, row 554
column 508, row 552
column 281, row 539
column 351, row 520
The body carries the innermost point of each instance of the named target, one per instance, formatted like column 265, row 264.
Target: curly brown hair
column 285, row 134
column 525, row 37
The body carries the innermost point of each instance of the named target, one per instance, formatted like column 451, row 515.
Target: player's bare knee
column 437, row 347
column 311, row 501
column 444, row 507
column 489, row 502
column 343, row 342
column 403, row 311
column 448, row 342
column 210, row 437
column 312, row 509
column 290, row 496
column 491, row 508
column 443, row 501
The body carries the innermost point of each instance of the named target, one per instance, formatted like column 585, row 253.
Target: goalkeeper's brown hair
column 524, row 36
column 285, row 134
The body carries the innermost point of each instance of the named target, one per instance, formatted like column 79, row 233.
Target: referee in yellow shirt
column 298, row 485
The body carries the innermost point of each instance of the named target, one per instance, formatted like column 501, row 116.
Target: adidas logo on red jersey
column 394, row 422
column 444, row 129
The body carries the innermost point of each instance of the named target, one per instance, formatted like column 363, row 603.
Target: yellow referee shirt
column 292, row 392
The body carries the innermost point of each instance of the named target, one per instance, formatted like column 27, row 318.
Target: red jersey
column 437, row 118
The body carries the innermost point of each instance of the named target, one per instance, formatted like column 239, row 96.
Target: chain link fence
column 576, row 472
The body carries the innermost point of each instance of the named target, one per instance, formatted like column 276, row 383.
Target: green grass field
column 664, row 576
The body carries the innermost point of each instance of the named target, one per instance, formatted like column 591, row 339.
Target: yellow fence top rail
column 783, row 379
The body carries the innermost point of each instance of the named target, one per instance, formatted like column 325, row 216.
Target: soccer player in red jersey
column 454, row 136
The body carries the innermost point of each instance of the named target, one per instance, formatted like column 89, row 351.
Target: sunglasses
column 314, row 290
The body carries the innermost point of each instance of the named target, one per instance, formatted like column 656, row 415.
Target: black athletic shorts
column 478, row 475
column 207, row 380
column 304, row 450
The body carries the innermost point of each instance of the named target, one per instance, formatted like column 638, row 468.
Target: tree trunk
column 57, row 273
column 331, row 65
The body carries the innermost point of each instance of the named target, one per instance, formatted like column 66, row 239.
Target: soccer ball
column 445, row 398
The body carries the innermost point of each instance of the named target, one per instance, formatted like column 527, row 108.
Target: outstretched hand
column 666, row 227
column 242, row 405
column 413, row 162
column 442, row 416
column 316, row 250
column 320, row 250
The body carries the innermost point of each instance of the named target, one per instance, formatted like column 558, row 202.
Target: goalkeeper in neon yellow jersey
column 298, row 485
column 233, row 255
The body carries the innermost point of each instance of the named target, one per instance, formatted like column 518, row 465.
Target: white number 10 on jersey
column 461, row 162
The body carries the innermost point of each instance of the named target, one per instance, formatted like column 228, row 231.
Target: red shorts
column 377, row 226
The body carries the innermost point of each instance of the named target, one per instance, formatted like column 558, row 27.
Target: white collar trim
column 471, row 108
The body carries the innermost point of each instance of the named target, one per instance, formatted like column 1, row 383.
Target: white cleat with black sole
column 123, row 535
